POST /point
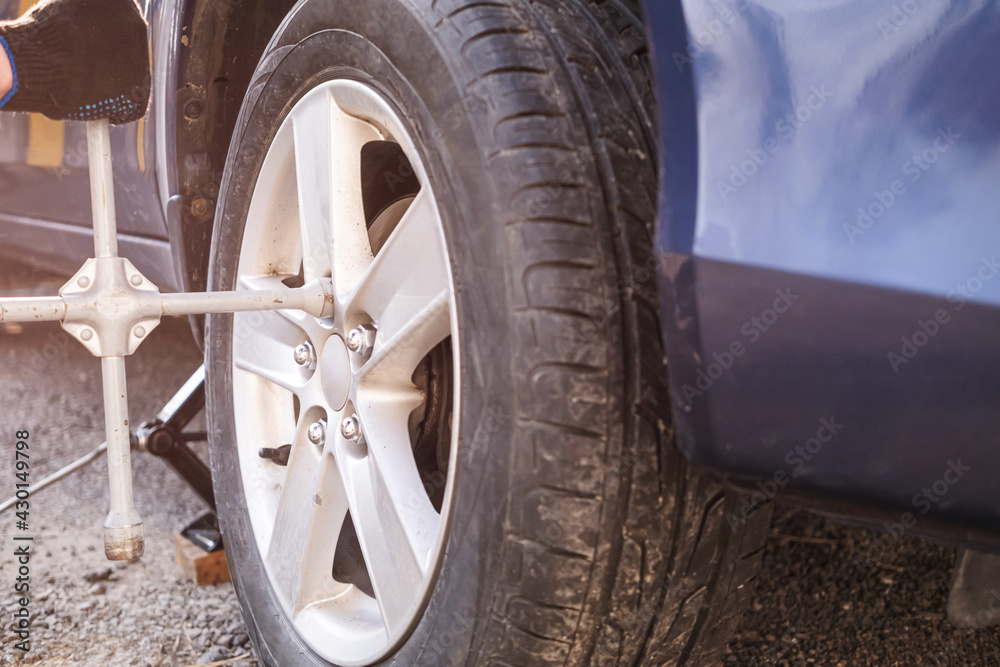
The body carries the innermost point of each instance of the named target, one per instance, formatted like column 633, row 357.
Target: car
column 608, row 279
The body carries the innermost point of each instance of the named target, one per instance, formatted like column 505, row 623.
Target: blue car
column 608, row 280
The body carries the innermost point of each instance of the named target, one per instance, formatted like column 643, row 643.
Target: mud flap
column 974, row 600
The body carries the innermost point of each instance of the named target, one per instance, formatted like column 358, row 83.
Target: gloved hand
column 79, row 60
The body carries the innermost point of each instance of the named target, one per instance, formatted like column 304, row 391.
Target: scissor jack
column 163, row 437
column 110, row 307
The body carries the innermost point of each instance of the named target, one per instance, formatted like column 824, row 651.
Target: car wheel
column 471, row 462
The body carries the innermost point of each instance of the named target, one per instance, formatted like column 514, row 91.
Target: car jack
column 111, row 308
column 163, row 437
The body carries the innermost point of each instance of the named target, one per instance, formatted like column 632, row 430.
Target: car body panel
column 759, row 213
column 828, row 246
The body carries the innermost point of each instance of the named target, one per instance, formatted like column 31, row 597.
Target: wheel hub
column 336, row 372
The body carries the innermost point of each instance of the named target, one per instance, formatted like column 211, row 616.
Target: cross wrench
column 110, row 308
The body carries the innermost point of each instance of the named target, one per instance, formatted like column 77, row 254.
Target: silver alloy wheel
column 307, row 220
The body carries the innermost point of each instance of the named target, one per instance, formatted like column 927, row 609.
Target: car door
column 45, row 190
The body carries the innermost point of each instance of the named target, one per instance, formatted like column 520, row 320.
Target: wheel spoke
column 384, row 417
column 406, row 291
column 394, row 570
column 267, row 246
column 311, row 122
column 298, row 318
column 328, row 146
column 263, row 341
column 311, row 510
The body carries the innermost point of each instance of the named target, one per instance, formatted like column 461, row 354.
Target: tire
column 576, row 533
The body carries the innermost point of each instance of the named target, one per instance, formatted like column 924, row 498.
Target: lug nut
column 305, row 354
column 350, row 428
column 317, row 433
column 361, row 339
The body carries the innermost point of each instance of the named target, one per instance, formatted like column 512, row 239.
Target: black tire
column 579, row 535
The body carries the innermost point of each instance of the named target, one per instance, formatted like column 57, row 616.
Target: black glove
column 79, row 60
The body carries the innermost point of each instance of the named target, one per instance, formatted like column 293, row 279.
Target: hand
column 79, row 60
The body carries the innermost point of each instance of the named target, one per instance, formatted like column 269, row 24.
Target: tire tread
column 664, row 579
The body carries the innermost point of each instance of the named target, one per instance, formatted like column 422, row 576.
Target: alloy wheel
column 351, row 526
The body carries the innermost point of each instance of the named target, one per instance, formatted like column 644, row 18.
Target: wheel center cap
column 335, row 367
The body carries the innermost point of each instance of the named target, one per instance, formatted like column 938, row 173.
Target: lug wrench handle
column 123, row 538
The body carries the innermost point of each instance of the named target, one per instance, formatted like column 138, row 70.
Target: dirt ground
column 832, row 595
column 816, row 604
column 85, row 610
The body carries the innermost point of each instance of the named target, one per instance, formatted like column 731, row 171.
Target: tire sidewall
column 304, row 54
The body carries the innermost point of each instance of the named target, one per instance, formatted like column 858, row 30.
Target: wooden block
column 201, row 567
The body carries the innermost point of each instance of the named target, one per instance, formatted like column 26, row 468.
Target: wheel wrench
column 110, row 308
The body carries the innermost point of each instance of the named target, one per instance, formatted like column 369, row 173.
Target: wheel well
column 219, row 45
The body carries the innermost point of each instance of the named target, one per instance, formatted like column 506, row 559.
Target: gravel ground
column 85, row 610
column 819, row 602
column 832, row 595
